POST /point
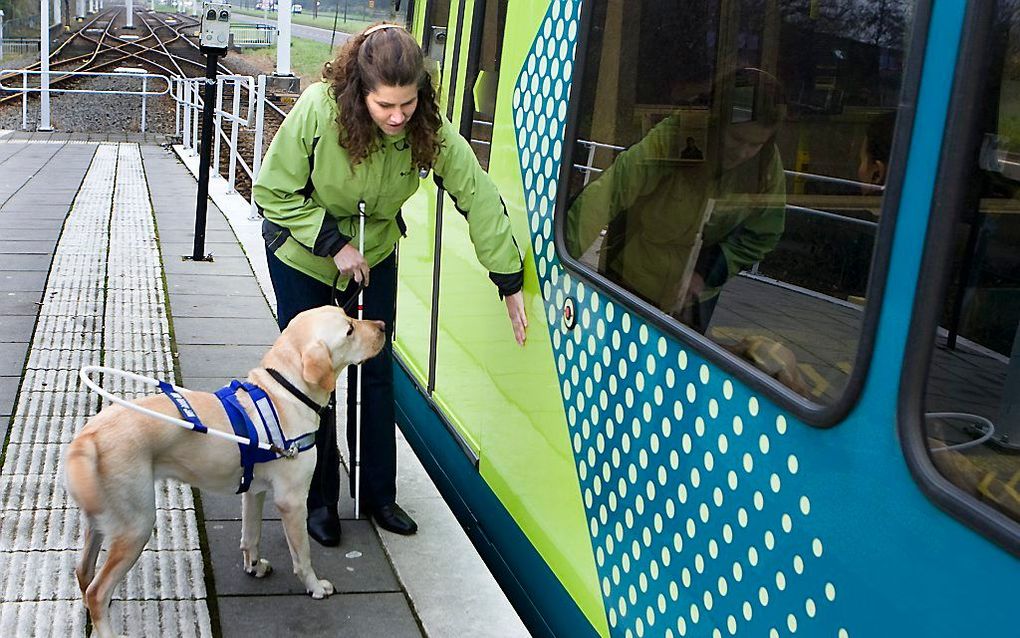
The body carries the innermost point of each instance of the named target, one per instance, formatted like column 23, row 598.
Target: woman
column 359, row 141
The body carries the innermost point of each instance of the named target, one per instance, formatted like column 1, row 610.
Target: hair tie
column 380, row 27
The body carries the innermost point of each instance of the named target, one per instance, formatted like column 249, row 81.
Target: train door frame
column 444, row 71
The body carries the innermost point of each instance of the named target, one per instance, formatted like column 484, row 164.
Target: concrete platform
column 91, row 271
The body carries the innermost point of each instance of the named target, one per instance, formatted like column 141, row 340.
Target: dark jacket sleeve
column 330, row 240
column 508, row 284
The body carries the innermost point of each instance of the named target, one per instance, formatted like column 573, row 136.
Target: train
column 772, row 373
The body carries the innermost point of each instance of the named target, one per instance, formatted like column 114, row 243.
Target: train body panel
column 648, row 488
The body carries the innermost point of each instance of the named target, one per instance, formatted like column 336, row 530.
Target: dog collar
column 298, row 394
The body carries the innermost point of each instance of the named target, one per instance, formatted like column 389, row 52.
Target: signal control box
column 215, row 25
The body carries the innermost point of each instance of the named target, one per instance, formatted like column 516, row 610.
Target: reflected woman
column 674, row 230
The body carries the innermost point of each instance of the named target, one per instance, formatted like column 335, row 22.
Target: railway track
column 160, row 43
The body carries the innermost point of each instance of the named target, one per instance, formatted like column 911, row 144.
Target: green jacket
column 668, row 217
column 310, row 193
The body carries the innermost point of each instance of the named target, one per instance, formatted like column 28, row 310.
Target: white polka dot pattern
column 693, row 494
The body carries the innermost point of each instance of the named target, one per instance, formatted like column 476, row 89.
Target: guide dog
column 772, row 358
column 113, row 462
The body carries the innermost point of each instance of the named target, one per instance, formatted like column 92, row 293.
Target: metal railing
column 252, row 36
column 590, row 169
column 589, row 166
column 134, row 74
column 189, row 103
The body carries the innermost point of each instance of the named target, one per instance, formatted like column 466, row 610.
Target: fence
column 252, row 36
column 19, row 47
column 128, row 74
column 187, row 94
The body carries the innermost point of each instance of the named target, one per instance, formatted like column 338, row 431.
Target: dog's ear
column 317, row 367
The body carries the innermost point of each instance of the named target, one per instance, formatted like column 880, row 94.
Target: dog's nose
column 381, row 325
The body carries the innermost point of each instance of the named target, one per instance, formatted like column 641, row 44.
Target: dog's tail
column 82, row 465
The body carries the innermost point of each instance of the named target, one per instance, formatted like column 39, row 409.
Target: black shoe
column 393, row 518
column 324, row 526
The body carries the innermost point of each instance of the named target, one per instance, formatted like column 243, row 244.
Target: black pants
column 297, row 292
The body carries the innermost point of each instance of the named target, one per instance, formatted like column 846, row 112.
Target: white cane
column 357, row 413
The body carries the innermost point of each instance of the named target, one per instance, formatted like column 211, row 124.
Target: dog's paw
column 260, row 569
column 322, row 589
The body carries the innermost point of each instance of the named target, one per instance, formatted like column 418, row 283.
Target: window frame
column 815, row 414
column 961, row 139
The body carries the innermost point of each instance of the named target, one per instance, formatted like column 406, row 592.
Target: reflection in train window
column 972, row 399
column 729, row 169
column 483, row 78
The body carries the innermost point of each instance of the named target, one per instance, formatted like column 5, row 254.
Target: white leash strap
column 357, row 416
column 87, row 370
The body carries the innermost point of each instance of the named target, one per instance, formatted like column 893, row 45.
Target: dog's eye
column 350, row 329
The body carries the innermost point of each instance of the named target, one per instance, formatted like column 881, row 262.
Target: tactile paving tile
column 31, row 492
column 71, row 302
column 40, row 530
column 25, row 576
column 55, row 333
column 57, row 404
column 175, row 529
column 138, row 342
column 61, row 529
column 42, row 618
column 173, row 495
column 64, row 359
column 36, row 380
column 136, row 320
column 127, row 388
column 178, row 618
column 164, row 575
column 81, row 263
column 149, row 297
column 22, row 492
column 104, row 304
column 34, row 429
column 159, row 365
column 35, row 459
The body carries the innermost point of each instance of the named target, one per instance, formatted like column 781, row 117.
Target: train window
column 483, row 78
column 728, row 170
column 971, row 422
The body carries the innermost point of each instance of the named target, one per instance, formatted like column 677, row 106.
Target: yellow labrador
column 113, row 462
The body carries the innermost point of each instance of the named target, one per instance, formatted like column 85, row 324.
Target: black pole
column 332, row 37
column 205, row 153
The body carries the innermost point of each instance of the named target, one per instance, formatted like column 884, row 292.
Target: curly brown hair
column 385, row 57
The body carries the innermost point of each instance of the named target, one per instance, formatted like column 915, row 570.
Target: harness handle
column 87, row 370
column 334, row 293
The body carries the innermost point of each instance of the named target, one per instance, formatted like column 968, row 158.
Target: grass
column 306, row 57
column 356, row 20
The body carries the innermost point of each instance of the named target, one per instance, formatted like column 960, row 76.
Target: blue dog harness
column 266, row 431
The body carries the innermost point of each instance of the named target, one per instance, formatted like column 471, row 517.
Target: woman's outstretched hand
column 518, row 318
column 352, row 263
